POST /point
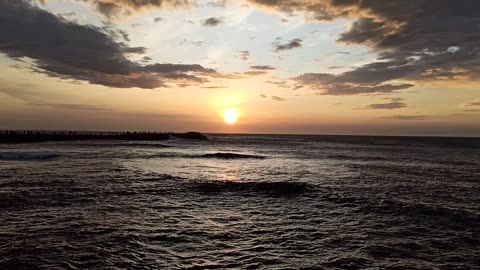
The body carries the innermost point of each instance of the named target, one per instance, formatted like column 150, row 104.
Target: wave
column 364, row 158
column 279, row 188
column 231, row 156
column 27, row 156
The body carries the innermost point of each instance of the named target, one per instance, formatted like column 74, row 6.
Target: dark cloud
column 158, row 19
column 275, row 98
column 283, row 20
column 146, row 59
column 80, row 52
column 114, row 8
column 75, row 107
column 292, row 44
column 405, row 117
column 395, row 103
column 263, row 96
column 263, row 67
column 108, row 9
column 135, row 50
column 416, row 40
column 212, row 22
column 243, row 55
column 335, row 67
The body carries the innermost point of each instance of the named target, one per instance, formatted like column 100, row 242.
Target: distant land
column 31, row 136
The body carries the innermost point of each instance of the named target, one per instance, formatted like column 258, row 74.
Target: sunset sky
column 400, row 67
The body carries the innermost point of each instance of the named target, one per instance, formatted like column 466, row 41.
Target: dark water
column 280, row 202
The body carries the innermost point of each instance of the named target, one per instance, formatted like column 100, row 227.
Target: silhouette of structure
column 28, row 136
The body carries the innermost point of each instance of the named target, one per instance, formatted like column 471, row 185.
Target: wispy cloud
column 263, row 67
column 473, row 103
column 405, row 117
column 243, row 55
column 255, row 72
column 276, row 98
column 282, row 84
column 197, row 43
column 395, row 103
column 214, row 87
column 74, row 107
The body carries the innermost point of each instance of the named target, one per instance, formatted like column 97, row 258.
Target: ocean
column 242, row 202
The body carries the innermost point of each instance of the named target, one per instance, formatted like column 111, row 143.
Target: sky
column 366, row 67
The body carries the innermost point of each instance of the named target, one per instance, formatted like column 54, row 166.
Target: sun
column 230, row 116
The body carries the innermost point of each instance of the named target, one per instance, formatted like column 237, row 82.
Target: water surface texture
column 242, row 202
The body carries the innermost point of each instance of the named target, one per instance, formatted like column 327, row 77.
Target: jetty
column 32, row 136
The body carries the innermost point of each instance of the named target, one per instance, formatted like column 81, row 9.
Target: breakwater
column 29, row 136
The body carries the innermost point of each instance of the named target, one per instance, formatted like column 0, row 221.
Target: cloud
column 158, row 19
column 214, row 87
column 282, row 84
column 115, row 8
column 405, row 117
column 417, row 41
column 263, row 67
column 395, row 103
column 243, row 55
column 255, row 72
column 212, row 22
column 197, row 43
column 81, row 52
column 296, row 87
column 292, row 44
column 216, row 4
column 76, row 107
column 21, row 93
column 263, row 96
column 473, row 103
column 343, row 84
column 275, row 98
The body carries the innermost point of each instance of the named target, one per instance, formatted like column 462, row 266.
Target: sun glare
column 230, row 116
